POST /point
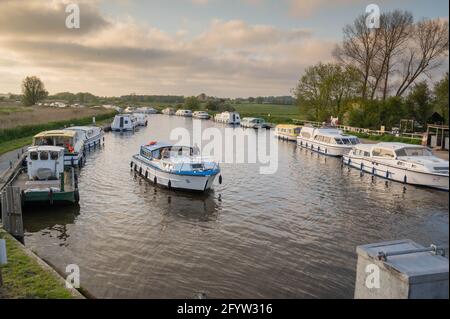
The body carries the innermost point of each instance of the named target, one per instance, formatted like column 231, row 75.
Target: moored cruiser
column 175, row 167
column 92, row 135
column 409, row 164
column 71, row 140
column 328, row 141
column 287, row 132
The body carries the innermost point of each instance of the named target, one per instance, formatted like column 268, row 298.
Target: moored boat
column 71, row 140
column 123, row 122
column 202, row 115
column 45, row 179
column 141, row 119
column 232, row 118
column 169, row 111
column 175, row 167
column 92, row 135
column 405, row 163
column 287, row 132
column 185, row 113
column 326, row 140
column 254, row 122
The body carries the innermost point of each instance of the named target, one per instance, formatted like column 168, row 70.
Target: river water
column 288, row 235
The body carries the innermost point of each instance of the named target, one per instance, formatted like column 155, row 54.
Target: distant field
column 13, row 115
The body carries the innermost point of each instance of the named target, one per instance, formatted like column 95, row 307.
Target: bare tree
column 395, row 29
column 428, row 45
column 360, row 48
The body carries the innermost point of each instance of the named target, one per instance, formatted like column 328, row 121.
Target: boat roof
column 55, row 133
column 81, row 128
column 159, row 145
column 288, row 126
column 44, row 148
column 395, row 145
column 364, row 147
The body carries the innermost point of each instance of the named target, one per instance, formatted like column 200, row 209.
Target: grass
column 15, row 144
column 24, row 278
column 13, row 138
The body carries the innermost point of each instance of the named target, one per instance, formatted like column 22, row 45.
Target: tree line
column 380, row 75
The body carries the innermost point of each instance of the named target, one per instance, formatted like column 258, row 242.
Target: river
column 288, row 235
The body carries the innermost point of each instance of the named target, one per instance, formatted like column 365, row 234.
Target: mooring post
column 12, row 212
column 3, row 259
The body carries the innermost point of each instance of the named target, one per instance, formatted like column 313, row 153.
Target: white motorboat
column 169, row 111
column 92, row 135
column 141, row 119
column 254, row 122
column 202, row 115
column 232, row 118
column 405, row 163
column 185, row 113
column 175, row 167
column 71, row 140
column 328, row 141
column 124, row 122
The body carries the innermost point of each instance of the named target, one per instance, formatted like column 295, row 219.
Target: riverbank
column 20, row 136
column 26, row 276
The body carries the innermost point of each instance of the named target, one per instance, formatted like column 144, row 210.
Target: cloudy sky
column 221, row 47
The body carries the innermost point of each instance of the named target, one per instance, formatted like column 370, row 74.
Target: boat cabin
column 71, row 140
column 45, row 162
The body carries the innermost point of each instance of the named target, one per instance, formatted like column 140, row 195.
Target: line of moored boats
column 50, row 172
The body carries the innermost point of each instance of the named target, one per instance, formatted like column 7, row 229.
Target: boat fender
column 50, row 196
column 140, row 171
column 387, row 174
column 146, row 174
column 169, row 185
column 155, row 180
column 405, row 179
column 77, row 197
column 362, row 166
column 220, row 179
column 373, row 170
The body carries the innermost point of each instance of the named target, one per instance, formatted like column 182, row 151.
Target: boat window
column 43, row 156
column 54, row 156
column 346, row 141
column 338, row 141
column 413, row 151
column 33, row 156
column 383, row 153
column 367, row 154
column 197, row 166
column 145, row 153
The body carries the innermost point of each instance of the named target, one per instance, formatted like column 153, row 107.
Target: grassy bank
column 23, row 277
column 13, row 138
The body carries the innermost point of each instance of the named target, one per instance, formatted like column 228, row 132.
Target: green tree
column 325, row 90
column 192, row 103
column 441, row 97
column 419, row 102
column 33, row 90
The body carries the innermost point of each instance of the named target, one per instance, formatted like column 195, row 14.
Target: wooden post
column 3, row 259
column 12, row 212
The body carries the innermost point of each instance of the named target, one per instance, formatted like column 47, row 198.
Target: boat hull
column 325, row 149
column 93, row 141
column 196, row 183
column 286, row 137
column 398, row 174
column 55, row 198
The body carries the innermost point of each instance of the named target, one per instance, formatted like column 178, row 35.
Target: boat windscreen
column 413, row 151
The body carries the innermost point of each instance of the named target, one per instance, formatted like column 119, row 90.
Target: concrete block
column 416, row 275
